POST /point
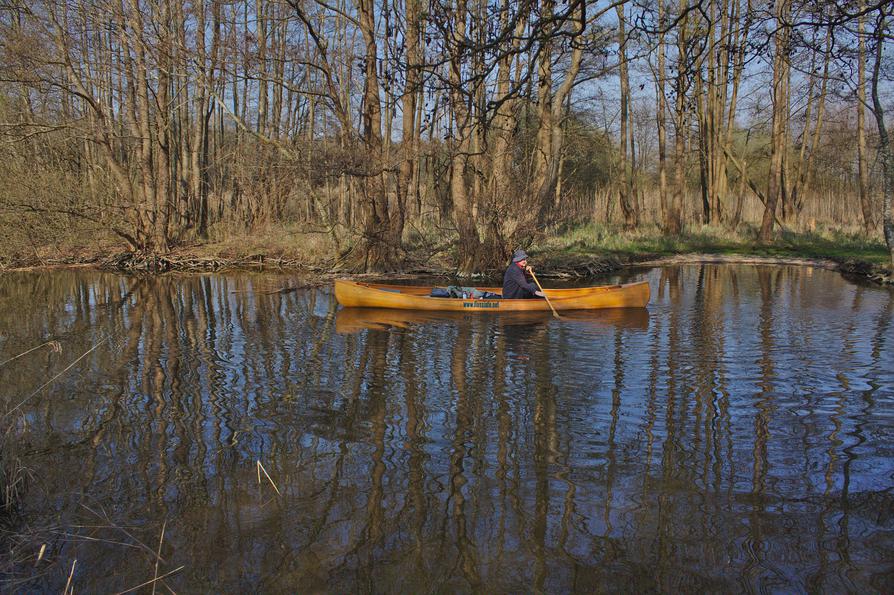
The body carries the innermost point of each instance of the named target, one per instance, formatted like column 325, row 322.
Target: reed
column 267, row 475
column 68, row 587
column 153, row 581
column 13, row 475
column 158, row 555
column 54, row 346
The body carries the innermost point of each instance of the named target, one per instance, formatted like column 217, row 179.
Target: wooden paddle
column 549, row 303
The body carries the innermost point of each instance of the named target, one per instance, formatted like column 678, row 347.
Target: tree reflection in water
column 735, row 435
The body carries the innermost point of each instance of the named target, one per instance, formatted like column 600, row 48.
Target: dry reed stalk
column 51, row 380
column 55, row 347
column 156, row 579
column 106, row 518
column 70, row 575
column 76, row 537
column 40, row 554
column 158, row 554
column 261, row 468
column 13, row 475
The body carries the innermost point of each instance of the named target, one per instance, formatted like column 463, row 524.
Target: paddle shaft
column 548, row 303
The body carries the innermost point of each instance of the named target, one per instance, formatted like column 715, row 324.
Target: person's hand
column 529, row 268
column 539, row 294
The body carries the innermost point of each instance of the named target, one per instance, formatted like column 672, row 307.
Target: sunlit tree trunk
column 804, row 165
column 378, row 247
column 739, row 39
column 502, row 184
column 261, row 35
column 720, row 83
column 673, row 223
column 715, row 98
column 280, row 35
column 550, row 138
column 887, row 158
column 780, row 114
column 625, row 187
column 469, row 240
column 409, row 128
column 862, row 166
column 661, row 115
column 165, row 193
column 199, row 148
column 143, row 120
column 543, row 150
column 703, row 107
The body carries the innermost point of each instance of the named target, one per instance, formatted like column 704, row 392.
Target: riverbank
column 595, row 249
column 581, row 252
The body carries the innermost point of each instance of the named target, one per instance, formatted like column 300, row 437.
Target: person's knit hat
column 519, row 255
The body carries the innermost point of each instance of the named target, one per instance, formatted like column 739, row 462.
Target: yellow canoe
column 353, row 294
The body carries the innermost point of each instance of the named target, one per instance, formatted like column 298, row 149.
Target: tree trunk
column 673, row 224
column 862, row 166
column 162, row 133
column 805, row 164
column 197, row 176
column 883, row 140
column 542, row 149
column 143, row 120
column 409, row 129
column 469, row 249
column 780, row 113
column 738, row 46
column 625, row 188
column 502, row 184
column 378, row 249
column 660, row 116
column 704, row 132
column 550, row 134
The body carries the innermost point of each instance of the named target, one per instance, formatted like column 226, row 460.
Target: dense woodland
column 484, row 124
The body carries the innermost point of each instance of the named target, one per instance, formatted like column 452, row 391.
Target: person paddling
column 515, row 283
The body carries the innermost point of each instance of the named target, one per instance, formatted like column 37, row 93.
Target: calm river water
column 737, row 435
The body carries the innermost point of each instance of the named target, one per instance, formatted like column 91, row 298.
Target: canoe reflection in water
column 352, row 320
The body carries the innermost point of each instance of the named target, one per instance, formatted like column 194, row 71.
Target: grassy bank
column 848, row 251
column 587, row 249
column 836, row 245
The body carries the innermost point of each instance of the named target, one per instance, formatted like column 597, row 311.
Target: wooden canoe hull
column 353, row 294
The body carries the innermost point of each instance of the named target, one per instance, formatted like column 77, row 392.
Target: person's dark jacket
column 516, row 285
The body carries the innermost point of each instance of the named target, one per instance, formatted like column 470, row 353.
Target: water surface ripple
column 737, row 435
